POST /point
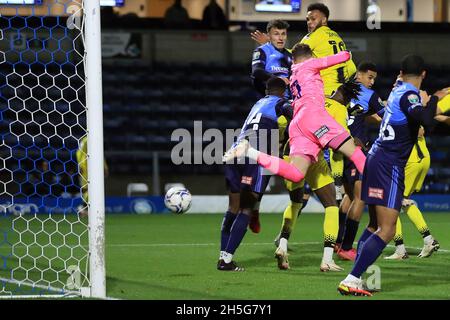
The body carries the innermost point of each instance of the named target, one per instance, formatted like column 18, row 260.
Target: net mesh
column 43, row 235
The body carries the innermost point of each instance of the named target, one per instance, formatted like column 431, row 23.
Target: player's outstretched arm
column 444, row 101
column 260, row 37
column 374, row 119
column 411, row 104
column 443, row 119
column 326, row 62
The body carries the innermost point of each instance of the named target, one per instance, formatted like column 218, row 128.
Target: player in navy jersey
column 383, row 177
column 272, row 58
column 247, row 181
column 367, row 104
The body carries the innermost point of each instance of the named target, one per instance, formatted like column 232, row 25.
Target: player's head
column 277, row 32
column 367, row 74
column 413, row 66
column 301, row 52
column 275, row 87
column 346, row 92
column 317, row 16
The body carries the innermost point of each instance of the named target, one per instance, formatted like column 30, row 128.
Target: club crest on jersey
column 321, row 132
column 376, row 193
column 246, row 180
column 414, row 99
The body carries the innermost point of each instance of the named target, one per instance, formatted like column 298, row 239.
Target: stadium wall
column 200, row 46
column 200, row 204
column 224, row 47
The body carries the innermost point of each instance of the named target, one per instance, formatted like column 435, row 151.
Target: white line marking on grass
column 217, row 244
column 137, row 245
column 198, row 244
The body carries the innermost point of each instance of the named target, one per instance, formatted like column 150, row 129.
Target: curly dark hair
column 320, row 7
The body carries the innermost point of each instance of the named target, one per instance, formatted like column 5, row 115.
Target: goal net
column 45, row 247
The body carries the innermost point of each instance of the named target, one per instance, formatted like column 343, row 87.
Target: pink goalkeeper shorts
column 312, row 130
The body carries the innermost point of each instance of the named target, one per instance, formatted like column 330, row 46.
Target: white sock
column 327, row 254
column 428, row 239
column 252, row 154
column 227, row 257
column 400, row 248
column 351, row 278
column 283, row 244
column 221, row 255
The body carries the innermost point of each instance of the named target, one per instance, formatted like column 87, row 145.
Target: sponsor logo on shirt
column 376, row 193
column 246, row 180
column 321, row 132
column 278, row 69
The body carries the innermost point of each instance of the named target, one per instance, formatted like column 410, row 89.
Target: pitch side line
column 137, row 245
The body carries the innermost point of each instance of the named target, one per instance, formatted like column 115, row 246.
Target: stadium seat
column 137, row 187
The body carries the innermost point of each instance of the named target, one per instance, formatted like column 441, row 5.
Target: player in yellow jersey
column 320, row 180
column 325, row 42
column 81, row 155
column 340, row 114
column 444, row 105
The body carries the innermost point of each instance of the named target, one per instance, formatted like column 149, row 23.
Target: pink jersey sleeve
column 326, row 62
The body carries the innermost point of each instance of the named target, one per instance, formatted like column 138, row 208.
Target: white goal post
column 94, row 103
column 50, row 106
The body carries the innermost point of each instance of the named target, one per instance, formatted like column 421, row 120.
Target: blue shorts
column 351, row 174
column 246, row 177
column 383, row 182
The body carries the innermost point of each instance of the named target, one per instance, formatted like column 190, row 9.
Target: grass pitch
column 174, row 257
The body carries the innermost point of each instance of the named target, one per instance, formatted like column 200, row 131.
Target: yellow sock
column 398, row 238
column 417, row 218
column 290, row 218
column 444, row 104
column 337, row 164
column 331, row 226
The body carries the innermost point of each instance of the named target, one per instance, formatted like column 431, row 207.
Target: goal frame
column 96, row 189
column 91, row 31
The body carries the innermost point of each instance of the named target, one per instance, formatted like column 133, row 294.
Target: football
column 178, row 200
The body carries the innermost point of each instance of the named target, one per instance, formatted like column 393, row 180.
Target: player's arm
column 444, row 102
column 376, row 109
column 374, row 119
column 411, row 104
column 259, row 72
column 443, row 119
column 350, row 68
column 260, row 37
column 326, row 62
column 284, row 108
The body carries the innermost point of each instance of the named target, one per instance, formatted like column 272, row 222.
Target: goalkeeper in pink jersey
column 312, row 128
